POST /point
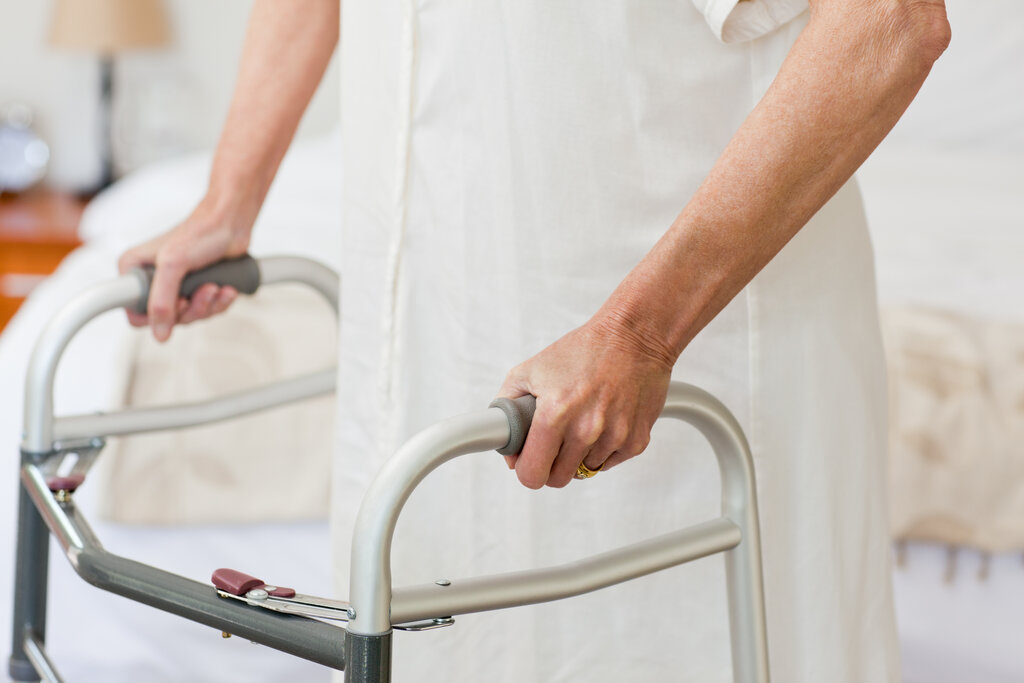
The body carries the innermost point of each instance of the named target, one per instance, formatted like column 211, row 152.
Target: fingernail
column 161, row 331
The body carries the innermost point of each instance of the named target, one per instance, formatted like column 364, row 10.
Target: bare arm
column 849, row 77
column 287, row 48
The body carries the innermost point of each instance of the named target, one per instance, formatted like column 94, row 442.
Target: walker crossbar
column 306, row 638
column 363, row 647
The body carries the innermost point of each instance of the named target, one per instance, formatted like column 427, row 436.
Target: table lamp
column 106, row 28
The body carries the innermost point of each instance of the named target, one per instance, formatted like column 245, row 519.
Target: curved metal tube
column 370, row 587
column 39, row 431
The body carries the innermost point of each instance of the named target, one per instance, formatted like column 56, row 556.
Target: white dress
column 507, row 163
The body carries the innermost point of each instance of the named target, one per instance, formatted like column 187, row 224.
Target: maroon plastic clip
column 68, row 483
column 235, row 582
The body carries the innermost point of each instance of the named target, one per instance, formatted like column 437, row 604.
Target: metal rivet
column 443, row 582
column 257, row 594
column 351, row 612
column 63, row 496
column 225, row 634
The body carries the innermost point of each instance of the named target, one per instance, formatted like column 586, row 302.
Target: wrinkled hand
column 203, row 238
column 599, row 390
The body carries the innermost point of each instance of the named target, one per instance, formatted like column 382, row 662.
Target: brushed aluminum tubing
column 141, row 420
column 36, row 653
column 532, row 586
column 744, row 582
column 278, row 269
column 370, row 582
column 72, row 540
column 42, row 367
column 39, row 426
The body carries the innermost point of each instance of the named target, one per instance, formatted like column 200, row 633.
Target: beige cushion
column 956, row 388
column 268, row 466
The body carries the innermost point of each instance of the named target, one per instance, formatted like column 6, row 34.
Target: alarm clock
column 24, row 156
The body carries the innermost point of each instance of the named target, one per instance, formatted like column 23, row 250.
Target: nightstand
column 37, row 230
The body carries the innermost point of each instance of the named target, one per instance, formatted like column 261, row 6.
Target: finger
column 613, row 460
column 614, row 436
column 163, row 296
column 225, row 297
column 142, row 254
column 510, row 461
column 515, row 384
column 596, row 459
column 137, row 319
column 631, row 447
column 200, row 305
column 133, row 258
column 566, row 464
column 543, row 442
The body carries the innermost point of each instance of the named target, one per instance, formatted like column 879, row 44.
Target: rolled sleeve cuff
column 736, row 21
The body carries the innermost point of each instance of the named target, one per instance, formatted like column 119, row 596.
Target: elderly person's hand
column 208, row 235
column 600, row 388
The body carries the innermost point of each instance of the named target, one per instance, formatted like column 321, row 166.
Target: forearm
column 847, row 80
column 287, row 48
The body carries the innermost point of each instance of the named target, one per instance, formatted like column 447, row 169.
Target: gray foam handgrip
column 242, row 273
column 519, row 412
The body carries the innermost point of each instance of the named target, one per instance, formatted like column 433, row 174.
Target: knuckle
column 170, row 258
column 161, row 310
column 618, row 433
column 638, row 443
column 556, row 413
column 589, row 429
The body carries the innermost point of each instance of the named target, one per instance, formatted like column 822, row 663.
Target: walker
column 353, row 636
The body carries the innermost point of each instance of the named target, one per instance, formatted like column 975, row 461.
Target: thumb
column 139, row 255
column 516, row 383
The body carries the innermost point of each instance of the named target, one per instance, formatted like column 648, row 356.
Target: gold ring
column 584, row 472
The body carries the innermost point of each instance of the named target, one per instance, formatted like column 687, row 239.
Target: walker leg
column 367, row 658
column 746, row 611
column 31, row 566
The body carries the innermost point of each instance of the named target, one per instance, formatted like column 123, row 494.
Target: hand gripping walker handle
column 519, row 412
column 242, row 273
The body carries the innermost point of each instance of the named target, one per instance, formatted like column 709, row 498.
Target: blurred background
column 174, row 65
column 109, row 110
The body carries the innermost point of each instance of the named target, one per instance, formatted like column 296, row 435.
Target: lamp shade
column 109, row 26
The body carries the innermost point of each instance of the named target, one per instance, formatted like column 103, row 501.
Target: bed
column 944, row 200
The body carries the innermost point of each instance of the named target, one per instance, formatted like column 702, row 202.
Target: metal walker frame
column 363, row 648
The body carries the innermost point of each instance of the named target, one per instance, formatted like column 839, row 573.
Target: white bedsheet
column 965, row 630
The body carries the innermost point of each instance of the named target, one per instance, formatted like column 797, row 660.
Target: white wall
column 973, row 100
column 173, row 100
